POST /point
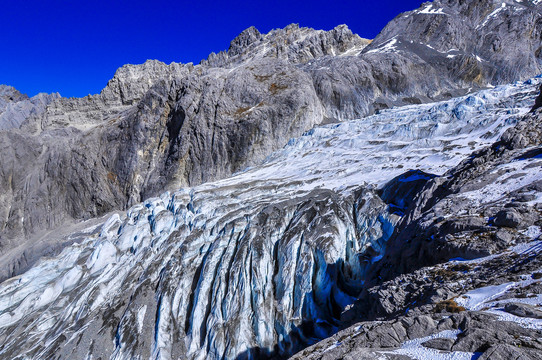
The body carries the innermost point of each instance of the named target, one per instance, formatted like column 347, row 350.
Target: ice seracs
column 287, row 242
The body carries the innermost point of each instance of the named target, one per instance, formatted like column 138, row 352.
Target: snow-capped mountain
column 304, row 190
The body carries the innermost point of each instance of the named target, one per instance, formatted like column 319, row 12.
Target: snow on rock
column 492, row 15
column 487, row 299
column 514, row 176
column 476, row 299
column 429, row 10
column 415, row 349
column 388, row 46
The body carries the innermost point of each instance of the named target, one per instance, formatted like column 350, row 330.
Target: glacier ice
column 263, row 261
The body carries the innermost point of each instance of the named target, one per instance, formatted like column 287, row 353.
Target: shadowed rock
column 538, row 101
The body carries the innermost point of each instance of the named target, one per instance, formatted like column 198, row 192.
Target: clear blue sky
column 74, row 46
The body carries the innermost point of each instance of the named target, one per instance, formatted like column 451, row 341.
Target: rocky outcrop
column 481, row 38
column 538, row 102
column 15, row 107
column 472, row 334
column 9, row 94
column 293, row 44
column 434, row 52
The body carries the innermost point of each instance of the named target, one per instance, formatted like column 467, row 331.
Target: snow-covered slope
column 262, row 262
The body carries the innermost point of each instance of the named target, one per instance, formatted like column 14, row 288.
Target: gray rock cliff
column 383, row 233
column 15, row 107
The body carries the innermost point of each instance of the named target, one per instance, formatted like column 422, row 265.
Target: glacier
column 261, row 263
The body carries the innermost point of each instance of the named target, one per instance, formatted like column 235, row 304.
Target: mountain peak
column 292, row 43
column 246, row 38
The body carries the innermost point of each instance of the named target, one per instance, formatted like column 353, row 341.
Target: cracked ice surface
column 245, row 262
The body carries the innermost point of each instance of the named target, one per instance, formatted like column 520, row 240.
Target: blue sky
column 74, row 46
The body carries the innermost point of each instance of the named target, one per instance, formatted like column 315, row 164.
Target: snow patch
column 333, row 346
column 533, row 232
column 475, row 299
column 485, row 299
column 415, row 349
column 354, row 51
column 525, row 322
column 429, row 10
column 141, row 317
column 388, row 46
column 514, row 176
column 492, row 15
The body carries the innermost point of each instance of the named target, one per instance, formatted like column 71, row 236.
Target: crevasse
column 262, row 262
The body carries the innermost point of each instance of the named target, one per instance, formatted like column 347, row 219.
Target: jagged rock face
column 132, row 82
column 158, row 126
column 505, row 35
column 263, row 263
column 433, row 53
column 9, row 94
column 293, row 44
column 15, row 107
column 538, row 101
column 195, row 129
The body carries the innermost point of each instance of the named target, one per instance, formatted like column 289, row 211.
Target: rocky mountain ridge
column 421, row 217
column 293, row 44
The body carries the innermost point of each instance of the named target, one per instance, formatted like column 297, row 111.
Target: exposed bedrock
column 180, row 133
column 15, row 107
